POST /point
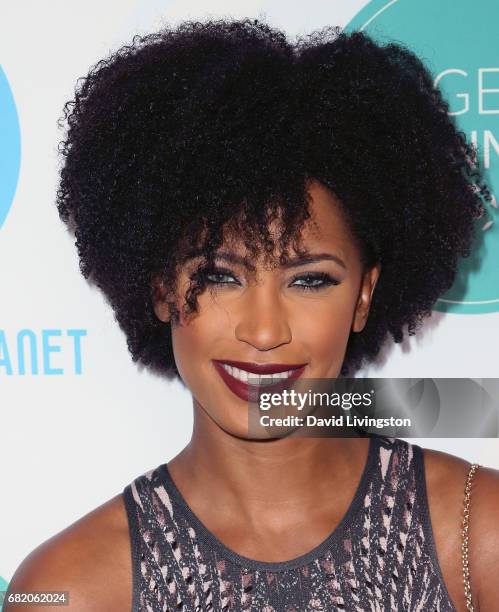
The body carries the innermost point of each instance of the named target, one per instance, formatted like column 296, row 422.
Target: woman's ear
column 365, row 297
column 159, row 301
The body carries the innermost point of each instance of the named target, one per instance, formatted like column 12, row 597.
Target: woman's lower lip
column 242, row 389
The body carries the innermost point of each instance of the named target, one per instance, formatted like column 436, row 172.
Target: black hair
column 205, row 124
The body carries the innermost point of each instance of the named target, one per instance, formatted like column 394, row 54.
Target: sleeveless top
column 380, row 557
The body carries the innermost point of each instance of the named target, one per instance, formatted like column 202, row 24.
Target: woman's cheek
column 323, row 335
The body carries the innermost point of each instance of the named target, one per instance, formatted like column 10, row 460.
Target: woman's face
column 298, row 314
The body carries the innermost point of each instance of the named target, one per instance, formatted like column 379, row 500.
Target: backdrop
column 79, row 419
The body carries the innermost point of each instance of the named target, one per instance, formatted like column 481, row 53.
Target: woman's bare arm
column 90, row 560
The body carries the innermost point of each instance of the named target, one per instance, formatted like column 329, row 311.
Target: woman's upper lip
column 261, row 368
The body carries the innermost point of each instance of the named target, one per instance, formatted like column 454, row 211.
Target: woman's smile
column 243, row 381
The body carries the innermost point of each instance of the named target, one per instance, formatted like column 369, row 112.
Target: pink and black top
column 381, row 556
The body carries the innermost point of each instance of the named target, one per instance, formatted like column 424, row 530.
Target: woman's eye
column 314, row 282
column 306, row 282
column 218, row 278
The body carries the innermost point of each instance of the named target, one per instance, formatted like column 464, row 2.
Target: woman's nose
column 262, row 320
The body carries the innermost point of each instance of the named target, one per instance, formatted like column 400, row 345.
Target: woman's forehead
column 327, row 230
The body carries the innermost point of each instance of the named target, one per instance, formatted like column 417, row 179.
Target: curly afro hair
column 224, row 122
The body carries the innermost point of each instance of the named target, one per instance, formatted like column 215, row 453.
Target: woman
column 251, row 205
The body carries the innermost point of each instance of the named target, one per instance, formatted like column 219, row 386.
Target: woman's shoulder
column 446, row 477
column 90, row 559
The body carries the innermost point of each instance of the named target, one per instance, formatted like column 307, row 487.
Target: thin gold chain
column 466, row 517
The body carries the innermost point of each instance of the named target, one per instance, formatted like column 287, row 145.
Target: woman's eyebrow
column 294, row 262
column 313, row 258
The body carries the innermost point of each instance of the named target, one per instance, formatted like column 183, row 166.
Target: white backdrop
column 71, row 441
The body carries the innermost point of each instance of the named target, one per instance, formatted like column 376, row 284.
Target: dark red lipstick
column 242, row 389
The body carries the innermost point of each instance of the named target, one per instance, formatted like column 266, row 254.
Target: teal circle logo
column 3, row 587
column 453, row 38
column 10, row 147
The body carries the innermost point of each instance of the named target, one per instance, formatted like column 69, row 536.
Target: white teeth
column 250, row 378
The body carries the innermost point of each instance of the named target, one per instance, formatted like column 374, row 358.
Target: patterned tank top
column 380, row 557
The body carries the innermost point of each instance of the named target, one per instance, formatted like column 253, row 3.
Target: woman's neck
column 281, row 479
